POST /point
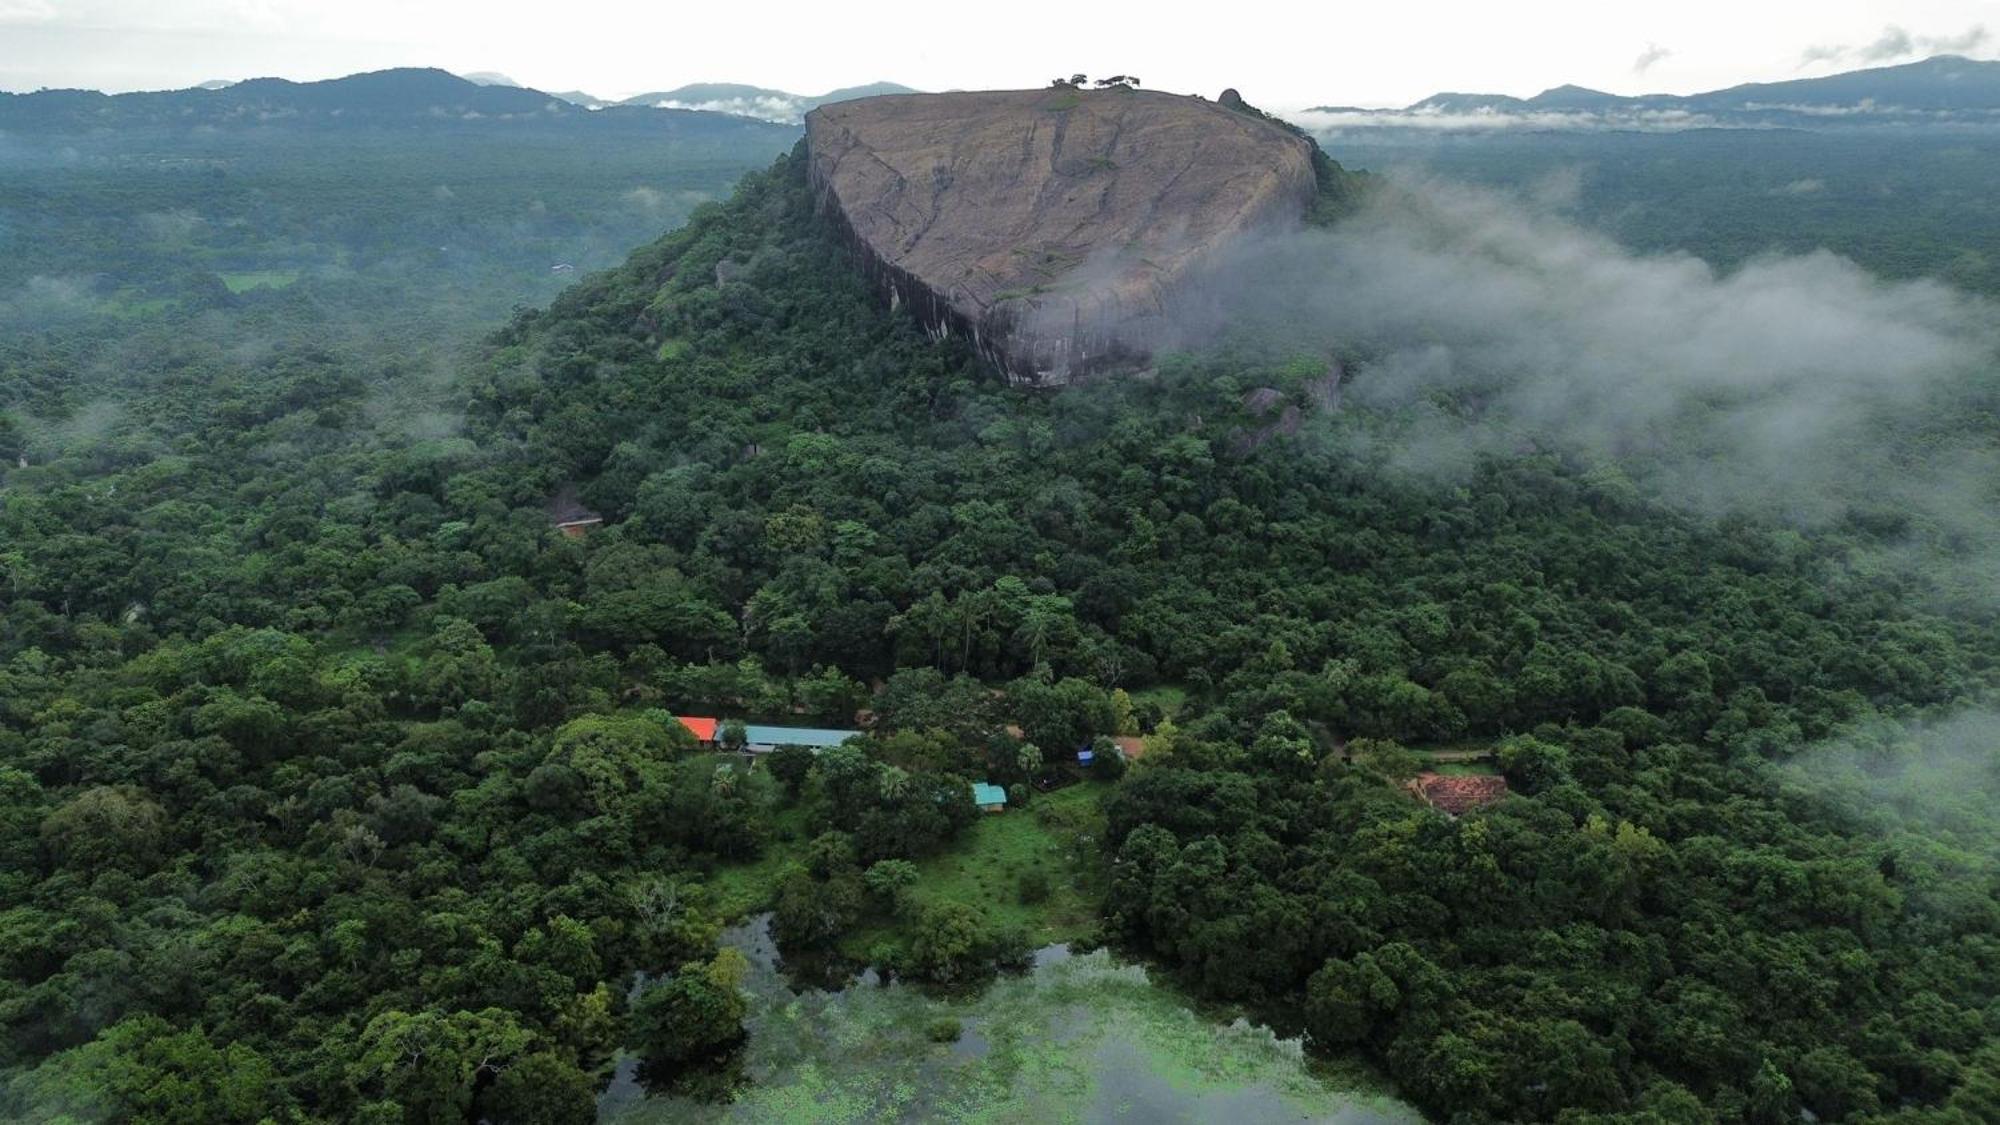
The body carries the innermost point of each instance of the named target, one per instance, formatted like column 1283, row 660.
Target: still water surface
column 1084, row 1039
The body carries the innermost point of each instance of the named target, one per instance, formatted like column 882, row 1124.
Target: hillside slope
column 1947, row 89
column 319, row 744
column 407, row 98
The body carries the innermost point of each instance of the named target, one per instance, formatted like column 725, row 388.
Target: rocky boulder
column 1050, row 227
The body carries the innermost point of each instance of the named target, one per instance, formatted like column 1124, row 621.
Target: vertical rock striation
column 1049, row 227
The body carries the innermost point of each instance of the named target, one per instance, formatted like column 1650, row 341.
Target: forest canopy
column 337, row 784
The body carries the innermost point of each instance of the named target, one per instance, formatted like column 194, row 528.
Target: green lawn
column 1169, row 697
column 1059, row 834
column 742, row 889
column 246, row 280
column 1464, row 748
column 1465, row 769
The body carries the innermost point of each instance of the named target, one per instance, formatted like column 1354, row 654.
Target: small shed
column 989, row 797
column 1130, row 747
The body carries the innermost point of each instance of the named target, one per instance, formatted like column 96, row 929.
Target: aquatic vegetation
column 1079, row 1038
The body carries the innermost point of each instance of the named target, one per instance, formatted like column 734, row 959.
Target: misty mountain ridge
column 758, row 101
column 399, row 97
column 1944, row 90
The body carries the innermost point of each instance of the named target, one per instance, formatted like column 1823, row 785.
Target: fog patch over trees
column 1797, row 386
column 1926, row 789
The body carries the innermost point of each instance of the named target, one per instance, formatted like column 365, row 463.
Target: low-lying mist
column 1926, row 792
column 1802, row 388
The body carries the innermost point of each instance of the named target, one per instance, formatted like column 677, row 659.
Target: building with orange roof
column 702, row 728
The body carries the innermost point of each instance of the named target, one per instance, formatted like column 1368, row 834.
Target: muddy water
column 1080, row 1038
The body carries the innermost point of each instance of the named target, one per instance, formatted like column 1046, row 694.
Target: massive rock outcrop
column 1050, row 227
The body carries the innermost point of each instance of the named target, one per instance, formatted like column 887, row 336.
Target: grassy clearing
column 1170, row 698
column 1465, row 769
column 245, row 280
column 1465, row 750
column 1057, row 834
column 743, row 889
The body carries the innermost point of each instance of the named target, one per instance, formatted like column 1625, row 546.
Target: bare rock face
column 1050, row 227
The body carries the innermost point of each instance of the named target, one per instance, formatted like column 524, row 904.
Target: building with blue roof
column 989, row 797
column 762, row 739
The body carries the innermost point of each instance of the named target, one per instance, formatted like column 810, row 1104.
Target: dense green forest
column 367, row 243
column 339, row 786
column 1904, row 202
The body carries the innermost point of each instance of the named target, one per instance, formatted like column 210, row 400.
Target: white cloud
column 27, row 11
column 1783, row 387
column 1895, row 44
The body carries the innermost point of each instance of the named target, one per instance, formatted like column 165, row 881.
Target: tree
column 1064, row 714
column 950, row 944
column 890, row 880
column 614, row 755
column 1386, row 757
column 1028, row 761
column 732, row 736
column 542, row 1088
column 1124, row 721
column 429, row 1063
column 459, row 666
column 1161, row 744
column 811, row 914
column 104, row 827
column 831, row 694
column 791, row 765
column 693, row 1014
column 1345, row 999
column 1533, row 765
column 144, row 1069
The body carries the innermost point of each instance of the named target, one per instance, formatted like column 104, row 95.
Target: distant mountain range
column 1947, row 89
column 757, row 101
column 578, row 97
column 411, row 94
column 384, row 98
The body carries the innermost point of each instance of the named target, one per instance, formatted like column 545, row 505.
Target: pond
column 1083, row 1038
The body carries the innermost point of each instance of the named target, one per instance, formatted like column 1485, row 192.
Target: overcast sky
column 1281, row 53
